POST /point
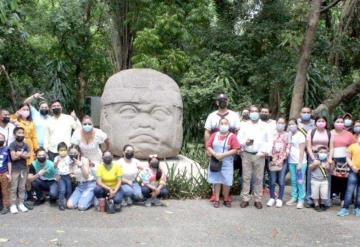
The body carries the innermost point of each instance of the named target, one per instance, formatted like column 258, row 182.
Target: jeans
column 279, row 178
column 146, row 191
column 100, row 192
column 65, row 187
column 353, row 183
column 134, row 191
column 83, row 196
column 297, row 190
column 50, row 186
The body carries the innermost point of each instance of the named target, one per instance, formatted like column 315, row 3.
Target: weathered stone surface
column 143, row 107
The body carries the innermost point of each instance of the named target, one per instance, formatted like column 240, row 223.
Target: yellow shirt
column 109, row 177
column 354, row 151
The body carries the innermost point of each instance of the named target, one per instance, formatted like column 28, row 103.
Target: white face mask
column 224, row 128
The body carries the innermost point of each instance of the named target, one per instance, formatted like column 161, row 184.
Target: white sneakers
column 279, row 203
column 14, row 209
column 271, row 202
column 300, row 205
column 291, row 202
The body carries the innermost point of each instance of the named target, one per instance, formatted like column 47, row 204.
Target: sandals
column 227, row 203
column 216, row 204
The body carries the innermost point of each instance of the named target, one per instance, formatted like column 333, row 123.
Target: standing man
column 6, row 127
column 59, row 129
column 255, row 139
column 213, row 119
column 40, row 118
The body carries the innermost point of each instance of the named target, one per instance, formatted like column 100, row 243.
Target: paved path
column 181, row 223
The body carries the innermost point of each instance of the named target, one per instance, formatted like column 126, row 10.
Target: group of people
column 44, row 152
column 324, row 162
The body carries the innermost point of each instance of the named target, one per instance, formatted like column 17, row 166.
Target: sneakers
column 13, row 209
column 357, row 212
column 22, row 208
column 157, row 202
column 279, row 203
column 216, row 204
column 148, row 202
column 129, row 201
column 291, row 202
column 300, row 205
column 271, row 202
column 343, row 212
column 4, row 211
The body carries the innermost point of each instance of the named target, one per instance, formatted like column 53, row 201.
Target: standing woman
column 223, row 145
column 83, row 196
column 297, row 165
column 342, row 139
column 89, row 140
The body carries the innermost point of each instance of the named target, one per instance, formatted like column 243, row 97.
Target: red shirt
column 232, row 140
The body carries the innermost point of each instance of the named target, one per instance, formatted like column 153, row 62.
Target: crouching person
column 43, row 175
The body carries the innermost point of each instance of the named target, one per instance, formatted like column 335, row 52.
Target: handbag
column 341, row 170
column 215, row 164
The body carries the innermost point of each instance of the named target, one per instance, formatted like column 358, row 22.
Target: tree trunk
column 334, row 100
column 12, row 88
column 121, row 37
column 82, row 90
column 304, row 61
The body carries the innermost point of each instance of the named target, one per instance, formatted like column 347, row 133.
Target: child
column 5, row 175
column 153, row 181
column 19, row 152
column 63, row 164
column 320, row 169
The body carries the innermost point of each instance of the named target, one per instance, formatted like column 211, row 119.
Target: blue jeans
column 50, row 186
column 353, row 183
column 297, row 190
column 279, row 178
column 83, row 196
column 100, row 192
column 65, row 187
column 164, row 192
column 134, row 191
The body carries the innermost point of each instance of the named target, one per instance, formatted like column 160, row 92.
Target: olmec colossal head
column 143, row 107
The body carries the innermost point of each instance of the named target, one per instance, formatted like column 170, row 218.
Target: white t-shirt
column 212, row 121
column 130, row 170
column 64, row 165
column 90, row 150
column 78, row 173
column 295, row 142
column 8, row 132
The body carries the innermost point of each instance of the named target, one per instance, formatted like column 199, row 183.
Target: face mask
column 129, row 155
column 264, row 117
column 6, row 120
column 73, row 156
column 56, row 111
column 339, row 126
column 280, row 127
column 20, row 138
column 305, row 116
column 41, row 159
column 254, row 116
column 25, row 114
column 44, row 112
column 62, row 153
column 154, row 164
column 87, row 128
column 321, row 125
column 2, row 143
column 357, row 129
column 222, row 104
column 322, row 156
column 107, row 160
column 224, row 128
column 246, row 117
column 347, row 122
column 293, row 128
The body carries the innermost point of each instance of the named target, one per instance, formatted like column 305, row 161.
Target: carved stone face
column 143, row 107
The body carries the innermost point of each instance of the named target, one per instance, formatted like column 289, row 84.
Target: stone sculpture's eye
column 128, row 111
column 159, row 113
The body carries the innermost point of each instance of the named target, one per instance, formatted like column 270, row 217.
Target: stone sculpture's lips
column 140, row 138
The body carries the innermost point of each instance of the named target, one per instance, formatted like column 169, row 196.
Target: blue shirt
column 4, row 159
column 41, row 123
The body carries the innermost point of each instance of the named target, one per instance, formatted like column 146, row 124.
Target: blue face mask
column 254, row 116
column 323, row 156
column 293, row 128
column 347, row 122
column 87, row 128
column 305, row 116
column 357, row 129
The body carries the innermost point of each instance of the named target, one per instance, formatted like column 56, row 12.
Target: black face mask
column 41, row 159
column 73, row 156
column 264, row 117
column 246, row 117
column 129, row 155
column 20, row 138
column 2, row 143
column 222, row 104
column 56, row 111
column 107, row 160
column 154, row 164
column 44, row 112
column 6, row 120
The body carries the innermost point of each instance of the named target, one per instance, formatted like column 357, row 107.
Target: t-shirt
column 295, row 141
column 320, row 174
column 341, row 142
column 8, row 132
column 64, row 165
column 212, row 121
column 232, row 141
column 20, row 163
column 130, row 170
column 78, row 173
column 90, row 150
column 109, row 177
column 354, row 150
column 50, row 173
column 321, row 138
column 4, row 159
